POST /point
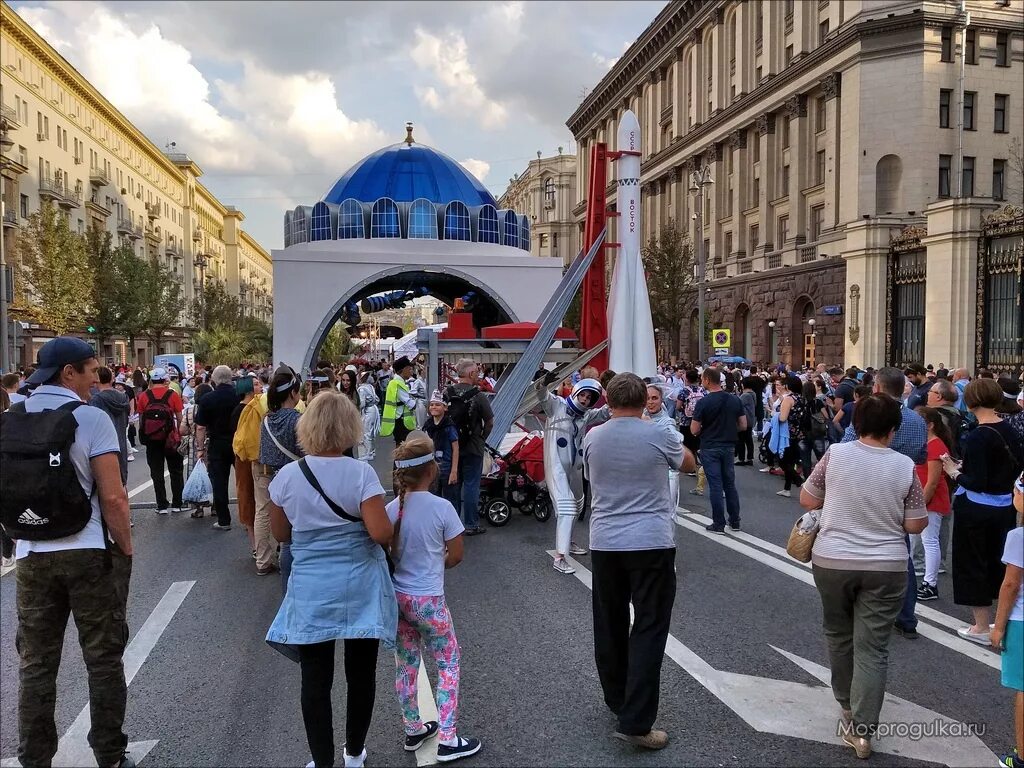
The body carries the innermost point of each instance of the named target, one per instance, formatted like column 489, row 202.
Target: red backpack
column 157, row 422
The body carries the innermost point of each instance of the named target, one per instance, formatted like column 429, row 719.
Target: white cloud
column 447, row 59
column 479, row 168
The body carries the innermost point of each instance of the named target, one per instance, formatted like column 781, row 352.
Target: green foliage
column 215, row 306
column 56, row 277
column 221, row 344
column 161, row 302
column 337, row 346
column 669, row 263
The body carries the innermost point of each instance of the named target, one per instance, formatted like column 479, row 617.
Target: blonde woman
column 330, row 509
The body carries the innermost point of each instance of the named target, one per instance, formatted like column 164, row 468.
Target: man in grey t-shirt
column 633, row 553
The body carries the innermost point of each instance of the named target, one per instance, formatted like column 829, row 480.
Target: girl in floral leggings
column 427, row 539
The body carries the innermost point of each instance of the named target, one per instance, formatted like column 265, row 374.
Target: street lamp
column 700, row 179
column 200, row 261
column 5, row 357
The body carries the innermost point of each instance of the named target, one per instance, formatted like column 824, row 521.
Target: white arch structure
column 313, row 280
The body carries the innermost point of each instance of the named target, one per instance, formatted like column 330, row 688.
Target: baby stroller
column 516, row 480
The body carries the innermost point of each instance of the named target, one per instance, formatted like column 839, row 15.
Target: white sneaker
column 133, row 449
column 765, row 469
column 576, row 549
column 163, row 511
column 355, row 762
column 981, row 638
column 787, row 494
column 131, row 457
column 7, row 562
column 562, row 566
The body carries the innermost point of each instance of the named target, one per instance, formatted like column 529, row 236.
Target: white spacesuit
column 567, row 422
column 418, row 391
column 368, row 407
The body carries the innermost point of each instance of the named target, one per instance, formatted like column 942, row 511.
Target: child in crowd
column 442, row 430
column 1007, row 634
column 844, row 416
column 427, row 540
column 936, row 497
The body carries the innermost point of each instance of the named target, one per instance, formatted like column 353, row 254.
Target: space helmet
column 583, row 385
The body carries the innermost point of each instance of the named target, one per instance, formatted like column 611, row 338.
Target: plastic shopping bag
column 198, row 488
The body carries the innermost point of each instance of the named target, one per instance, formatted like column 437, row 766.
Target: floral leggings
column 425, row 620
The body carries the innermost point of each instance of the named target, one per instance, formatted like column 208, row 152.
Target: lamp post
column 200, row 261
column 812, row 322
column 5, row 354
column 771, row 342
column 700, row 179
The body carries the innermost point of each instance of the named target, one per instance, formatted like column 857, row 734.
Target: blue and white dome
column 407, row 191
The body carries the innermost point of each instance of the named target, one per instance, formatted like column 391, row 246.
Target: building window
column 907, row 276
column 970, row 99
column 456, row 221
column 757, row 191
column 350, row 220
column 822, row 31
column 785, row 132
column 817, row 222
column 422, row 220
column 24, row 206
column 819, row 114
column 384, row 222
column 999, row 119
column 785, row 181
column 549, row 192
column 819, row 167
column 755, row 237
column 728, row 246
column 971, row 52
column 998, row 179
column 945, row 95
column 1002, row 49
column 968, row 177
column 945, row 162
column 510, row 228
column 756, row 151
column 1004, row 322
column 488, row 225
column 789, row 54
column 543, row 242
column 947, row 44
column 783, row 232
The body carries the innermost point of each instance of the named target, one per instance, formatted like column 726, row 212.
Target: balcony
column 153, row 210
column 807, row 254
column 51, row 189
column 774, row 260
column 95, row 207
column 129, row 229
column 745, row 267
column 153, row 235
column 721, row 273
column 11, row 220
column 10, row 116
column 72, row 198
column 98, row 177
column 174, row 251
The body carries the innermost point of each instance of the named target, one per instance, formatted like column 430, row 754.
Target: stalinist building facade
column 830, row 131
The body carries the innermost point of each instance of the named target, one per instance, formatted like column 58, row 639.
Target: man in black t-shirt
column 718, row 419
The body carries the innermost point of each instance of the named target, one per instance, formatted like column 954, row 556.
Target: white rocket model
column 630, row 328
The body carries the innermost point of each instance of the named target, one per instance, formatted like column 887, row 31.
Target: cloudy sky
column 276, row 100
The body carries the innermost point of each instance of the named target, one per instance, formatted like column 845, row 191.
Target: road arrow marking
column 73, row 749
column 791, row 567
column 810, row 712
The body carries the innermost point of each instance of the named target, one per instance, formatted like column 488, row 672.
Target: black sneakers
column 909, row 634
column 414, row 742
column 927, row 592
column 464, row 748
column 714, row 528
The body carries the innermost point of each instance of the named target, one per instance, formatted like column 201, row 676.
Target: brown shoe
column 860, row 745
column 651, row 740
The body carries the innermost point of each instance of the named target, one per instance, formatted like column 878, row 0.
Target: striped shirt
column 868, row 492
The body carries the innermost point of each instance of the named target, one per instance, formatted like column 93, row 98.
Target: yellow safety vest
column 391, row 406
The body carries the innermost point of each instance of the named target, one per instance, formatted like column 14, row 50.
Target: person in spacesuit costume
column 418, row 390
column 567, row 422
column 370, row 412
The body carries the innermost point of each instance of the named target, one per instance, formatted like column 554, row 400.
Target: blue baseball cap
column 58, row 352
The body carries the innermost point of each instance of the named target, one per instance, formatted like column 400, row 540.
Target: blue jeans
column 721, row 476
column 470, row 469
column 907, row 619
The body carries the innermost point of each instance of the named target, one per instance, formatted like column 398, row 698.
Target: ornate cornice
column 907, row 239
column 712, row 154
column 737, row 139
column 795, row 106
column 765, row 124
column 832, row 85
column 1008, row 220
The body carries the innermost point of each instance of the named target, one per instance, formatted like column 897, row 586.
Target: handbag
column 311, row 479
column 801, row 538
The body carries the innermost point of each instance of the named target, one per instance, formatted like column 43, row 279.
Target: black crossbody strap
column 311, row 478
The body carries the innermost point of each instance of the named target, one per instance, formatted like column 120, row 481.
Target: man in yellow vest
column 399, row 416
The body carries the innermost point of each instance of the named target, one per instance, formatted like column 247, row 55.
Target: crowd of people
column 888, row 461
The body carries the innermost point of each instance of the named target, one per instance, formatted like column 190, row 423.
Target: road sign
column 832, row 309
column 720, row 337
column 721, row 351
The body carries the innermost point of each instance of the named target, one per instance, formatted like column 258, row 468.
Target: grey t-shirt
column 627, row 461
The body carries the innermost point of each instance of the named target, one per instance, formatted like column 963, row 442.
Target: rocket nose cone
column 629, row 132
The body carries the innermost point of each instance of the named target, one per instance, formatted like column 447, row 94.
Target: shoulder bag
column 288, row 453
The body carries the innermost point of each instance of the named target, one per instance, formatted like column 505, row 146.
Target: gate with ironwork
column 1000, row 290
column 905, row 298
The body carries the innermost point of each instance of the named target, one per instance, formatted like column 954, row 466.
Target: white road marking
column 148, row 484
column 798, row 571
column 73, row 749
column 810, row 712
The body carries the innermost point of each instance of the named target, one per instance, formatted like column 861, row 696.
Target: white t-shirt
column 94, row 437
column 1013, row 554
column 346, row 481
column 16, row 398
column 428, row 521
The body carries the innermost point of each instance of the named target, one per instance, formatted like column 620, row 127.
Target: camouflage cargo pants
column 52, row 585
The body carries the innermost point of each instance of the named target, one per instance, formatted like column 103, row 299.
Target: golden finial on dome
column 408, row 134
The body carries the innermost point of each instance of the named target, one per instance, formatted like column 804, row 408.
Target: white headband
column 415, row 461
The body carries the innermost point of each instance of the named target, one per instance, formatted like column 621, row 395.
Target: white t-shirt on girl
column 346, row 481
column 1013, row 554
column 428, row 521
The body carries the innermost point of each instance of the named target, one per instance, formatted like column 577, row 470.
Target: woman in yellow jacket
column 246, row 446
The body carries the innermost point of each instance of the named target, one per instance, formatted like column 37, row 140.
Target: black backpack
column 40, row 495
column 157, row 422
column 462, row 410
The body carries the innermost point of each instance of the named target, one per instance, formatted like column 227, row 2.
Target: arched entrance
column 443, row 283
column 741, row 335
column 803, row 332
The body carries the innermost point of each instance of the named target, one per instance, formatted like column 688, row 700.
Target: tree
column 671, row 280
column 261, row 339
column 336, row 346
column 215, row 306
column 1015, row 185
column 56, row 276
column 162, row 302
column 112, row 285
column 221, row 344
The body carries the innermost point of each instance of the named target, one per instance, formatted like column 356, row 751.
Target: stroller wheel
column 497, row 512
column 542, row 508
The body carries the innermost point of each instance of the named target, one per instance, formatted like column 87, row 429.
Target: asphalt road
column 212, row 693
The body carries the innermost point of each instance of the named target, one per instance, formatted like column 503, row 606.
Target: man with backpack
column 471, row 412
column 160, row 411
column 62, row 498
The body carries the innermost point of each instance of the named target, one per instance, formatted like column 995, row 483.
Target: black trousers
column 157, row 458
column 979, row 537
column 629, row 662
column 317, row 664
column 790, row 458
column 745, row 445
column 219, row 459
